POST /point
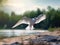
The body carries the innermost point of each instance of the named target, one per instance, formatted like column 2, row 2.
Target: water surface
column 19, row 32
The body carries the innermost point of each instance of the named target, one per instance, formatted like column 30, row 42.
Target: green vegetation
column 32, row 14
column 7, row 21
column 54, row 29
column 52, row 19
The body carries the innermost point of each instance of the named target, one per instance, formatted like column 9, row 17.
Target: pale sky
column 20, row 6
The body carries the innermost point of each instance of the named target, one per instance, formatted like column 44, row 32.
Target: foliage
column 51, row 29
column 7, row 21
column 54, row 29
column 52, row 19
column 32, row 14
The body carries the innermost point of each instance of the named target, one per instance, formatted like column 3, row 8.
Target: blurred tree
column 53, row 17
column 38, row 12
column 4, row 18
column 13, row 18
column 32, row 14
column 27, row 14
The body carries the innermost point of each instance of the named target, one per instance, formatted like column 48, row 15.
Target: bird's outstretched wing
column 40, row 18
column 24, row 20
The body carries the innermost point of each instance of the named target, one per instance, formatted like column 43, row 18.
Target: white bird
column 30, row 21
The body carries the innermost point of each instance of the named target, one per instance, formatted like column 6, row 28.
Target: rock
column 26, row 42
column 16, row 43
column 4, row 44
column 49, row 38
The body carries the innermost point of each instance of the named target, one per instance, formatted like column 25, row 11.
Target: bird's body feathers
column 30, row 21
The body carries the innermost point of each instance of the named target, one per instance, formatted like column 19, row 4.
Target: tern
column 30, row 21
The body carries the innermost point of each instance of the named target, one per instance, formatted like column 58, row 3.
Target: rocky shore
column 44, row 38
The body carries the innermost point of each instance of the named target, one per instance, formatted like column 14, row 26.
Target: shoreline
column 23, row 37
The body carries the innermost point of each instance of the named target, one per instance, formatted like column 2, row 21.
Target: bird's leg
column 31, row 27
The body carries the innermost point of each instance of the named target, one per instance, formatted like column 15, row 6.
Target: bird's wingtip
column 13, row 27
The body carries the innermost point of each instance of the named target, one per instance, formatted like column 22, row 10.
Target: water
column 24, row 32
column 19, row 32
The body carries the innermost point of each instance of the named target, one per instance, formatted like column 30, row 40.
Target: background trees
column 4, row 18
column 52, row 18
column 32, row 14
